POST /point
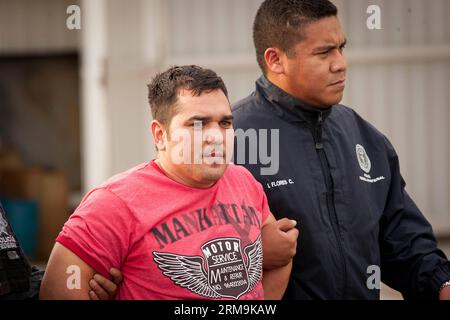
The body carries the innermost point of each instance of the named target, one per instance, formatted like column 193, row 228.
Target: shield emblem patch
column 226, row 269
column 363, row 158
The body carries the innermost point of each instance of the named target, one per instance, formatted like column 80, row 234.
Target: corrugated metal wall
column 36, row 26
column 399, row 77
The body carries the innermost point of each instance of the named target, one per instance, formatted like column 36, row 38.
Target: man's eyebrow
column 228, row 117
column 198, row 118
column 206, row 119
column 330, row 47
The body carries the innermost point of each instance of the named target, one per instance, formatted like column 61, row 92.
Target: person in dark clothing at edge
column 19, row 280
column 338, row 176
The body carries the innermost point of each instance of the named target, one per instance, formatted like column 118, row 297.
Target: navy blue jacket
column 340, row 179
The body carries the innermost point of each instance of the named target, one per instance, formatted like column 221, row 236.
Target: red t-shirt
column 172, row 241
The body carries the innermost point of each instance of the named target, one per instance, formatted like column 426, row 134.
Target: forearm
column 53, row 290
column 275, row 281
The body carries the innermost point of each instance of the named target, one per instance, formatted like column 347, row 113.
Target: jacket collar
column 286, row 106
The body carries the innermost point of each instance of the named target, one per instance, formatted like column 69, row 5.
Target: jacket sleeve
column 410, row 260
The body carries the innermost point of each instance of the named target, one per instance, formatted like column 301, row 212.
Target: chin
column 213, row 172
column 335, row 100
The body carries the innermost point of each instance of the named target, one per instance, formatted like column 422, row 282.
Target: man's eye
column 196, row 124
column 225, row 123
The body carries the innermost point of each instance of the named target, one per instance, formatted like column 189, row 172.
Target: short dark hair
column 279, row 23
column 165, row 86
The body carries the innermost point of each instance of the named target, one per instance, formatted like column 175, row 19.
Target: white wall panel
column 395, row 23
column 436, row 30
column 417, row 111
column 438, row 144
column 220, row 28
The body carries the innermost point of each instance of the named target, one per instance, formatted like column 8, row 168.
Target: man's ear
column 159, row 135
column 274, row 58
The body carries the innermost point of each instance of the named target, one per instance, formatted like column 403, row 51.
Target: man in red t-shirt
column 184, row 226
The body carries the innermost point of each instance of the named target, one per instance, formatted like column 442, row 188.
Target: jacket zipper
column 330, row 193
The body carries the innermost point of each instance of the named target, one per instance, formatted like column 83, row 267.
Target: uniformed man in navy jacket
column 336, row 174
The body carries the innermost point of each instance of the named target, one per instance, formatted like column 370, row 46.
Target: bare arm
column 66, row 276
column 279, row 246
column 275, row 282
column 279, row 241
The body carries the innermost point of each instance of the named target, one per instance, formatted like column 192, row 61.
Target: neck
column 166, row 168
column 278, row 81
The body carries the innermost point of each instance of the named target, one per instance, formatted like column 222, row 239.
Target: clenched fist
column 279, row 243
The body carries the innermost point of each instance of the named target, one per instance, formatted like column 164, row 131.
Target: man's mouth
column 338, row 83
column 214, row 154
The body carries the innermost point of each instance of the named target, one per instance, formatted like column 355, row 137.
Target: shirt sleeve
column 259, row 194
column 99, row 231
column 264, row 203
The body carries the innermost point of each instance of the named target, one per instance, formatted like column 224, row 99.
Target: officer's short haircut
column 279, row 24
column 165, row 86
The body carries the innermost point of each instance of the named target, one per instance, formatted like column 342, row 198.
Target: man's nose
column 213, row 136
column 339, row 64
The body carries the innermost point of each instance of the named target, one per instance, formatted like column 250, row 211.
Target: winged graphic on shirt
column 215, row 279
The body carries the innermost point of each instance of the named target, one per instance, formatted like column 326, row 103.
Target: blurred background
column 73, row 103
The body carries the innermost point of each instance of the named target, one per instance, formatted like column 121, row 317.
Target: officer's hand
column 445, row 294
column 279, row 243
column 104, row 289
